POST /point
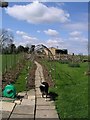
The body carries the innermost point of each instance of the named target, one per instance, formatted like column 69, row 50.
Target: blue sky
column 51, row 23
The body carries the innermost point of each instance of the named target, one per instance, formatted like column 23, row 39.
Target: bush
column 74, row 65
column 64, row 61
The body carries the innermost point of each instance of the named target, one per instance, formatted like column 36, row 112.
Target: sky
column 63, row 25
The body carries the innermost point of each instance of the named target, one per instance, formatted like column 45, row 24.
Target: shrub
column 64, row 61
column 74, row 65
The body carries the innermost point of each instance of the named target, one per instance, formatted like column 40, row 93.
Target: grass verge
column 20, row 84
column 71, row 86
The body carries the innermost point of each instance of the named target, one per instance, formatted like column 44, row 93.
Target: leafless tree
column 6, row 39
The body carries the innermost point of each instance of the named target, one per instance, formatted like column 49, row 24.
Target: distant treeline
column 7, row 45
column 13, row 49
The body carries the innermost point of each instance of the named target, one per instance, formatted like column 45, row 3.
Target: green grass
column 20, row 84
column 72, row 89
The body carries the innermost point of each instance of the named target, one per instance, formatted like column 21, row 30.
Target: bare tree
column 6, row 39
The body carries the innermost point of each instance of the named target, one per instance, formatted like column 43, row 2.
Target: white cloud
column 55, row 42
column 76, row 26
column 9, row 29
column 25, row 36
column 78, row 39
column 52, row 42
column 21, row 33
column 75, row 33
column 38, row 13
column 75, row 43
column 51, row 32
column 19, row 42
column 77, row 36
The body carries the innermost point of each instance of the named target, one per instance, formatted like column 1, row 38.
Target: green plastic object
column 9, row 91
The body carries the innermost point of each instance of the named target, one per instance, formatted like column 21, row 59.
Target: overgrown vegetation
column 26, row 79
column 20, row 84
column 21, row 74
column 71, row 86
column 71, row 64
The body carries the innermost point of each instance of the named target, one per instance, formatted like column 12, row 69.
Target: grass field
column 71, row 88
column 9, row 61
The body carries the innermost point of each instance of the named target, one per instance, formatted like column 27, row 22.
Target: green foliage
column 20, row 84
column 64, row 61
column 74, row 65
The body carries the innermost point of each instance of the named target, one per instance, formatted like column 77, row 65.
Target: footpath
column 31, row 106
